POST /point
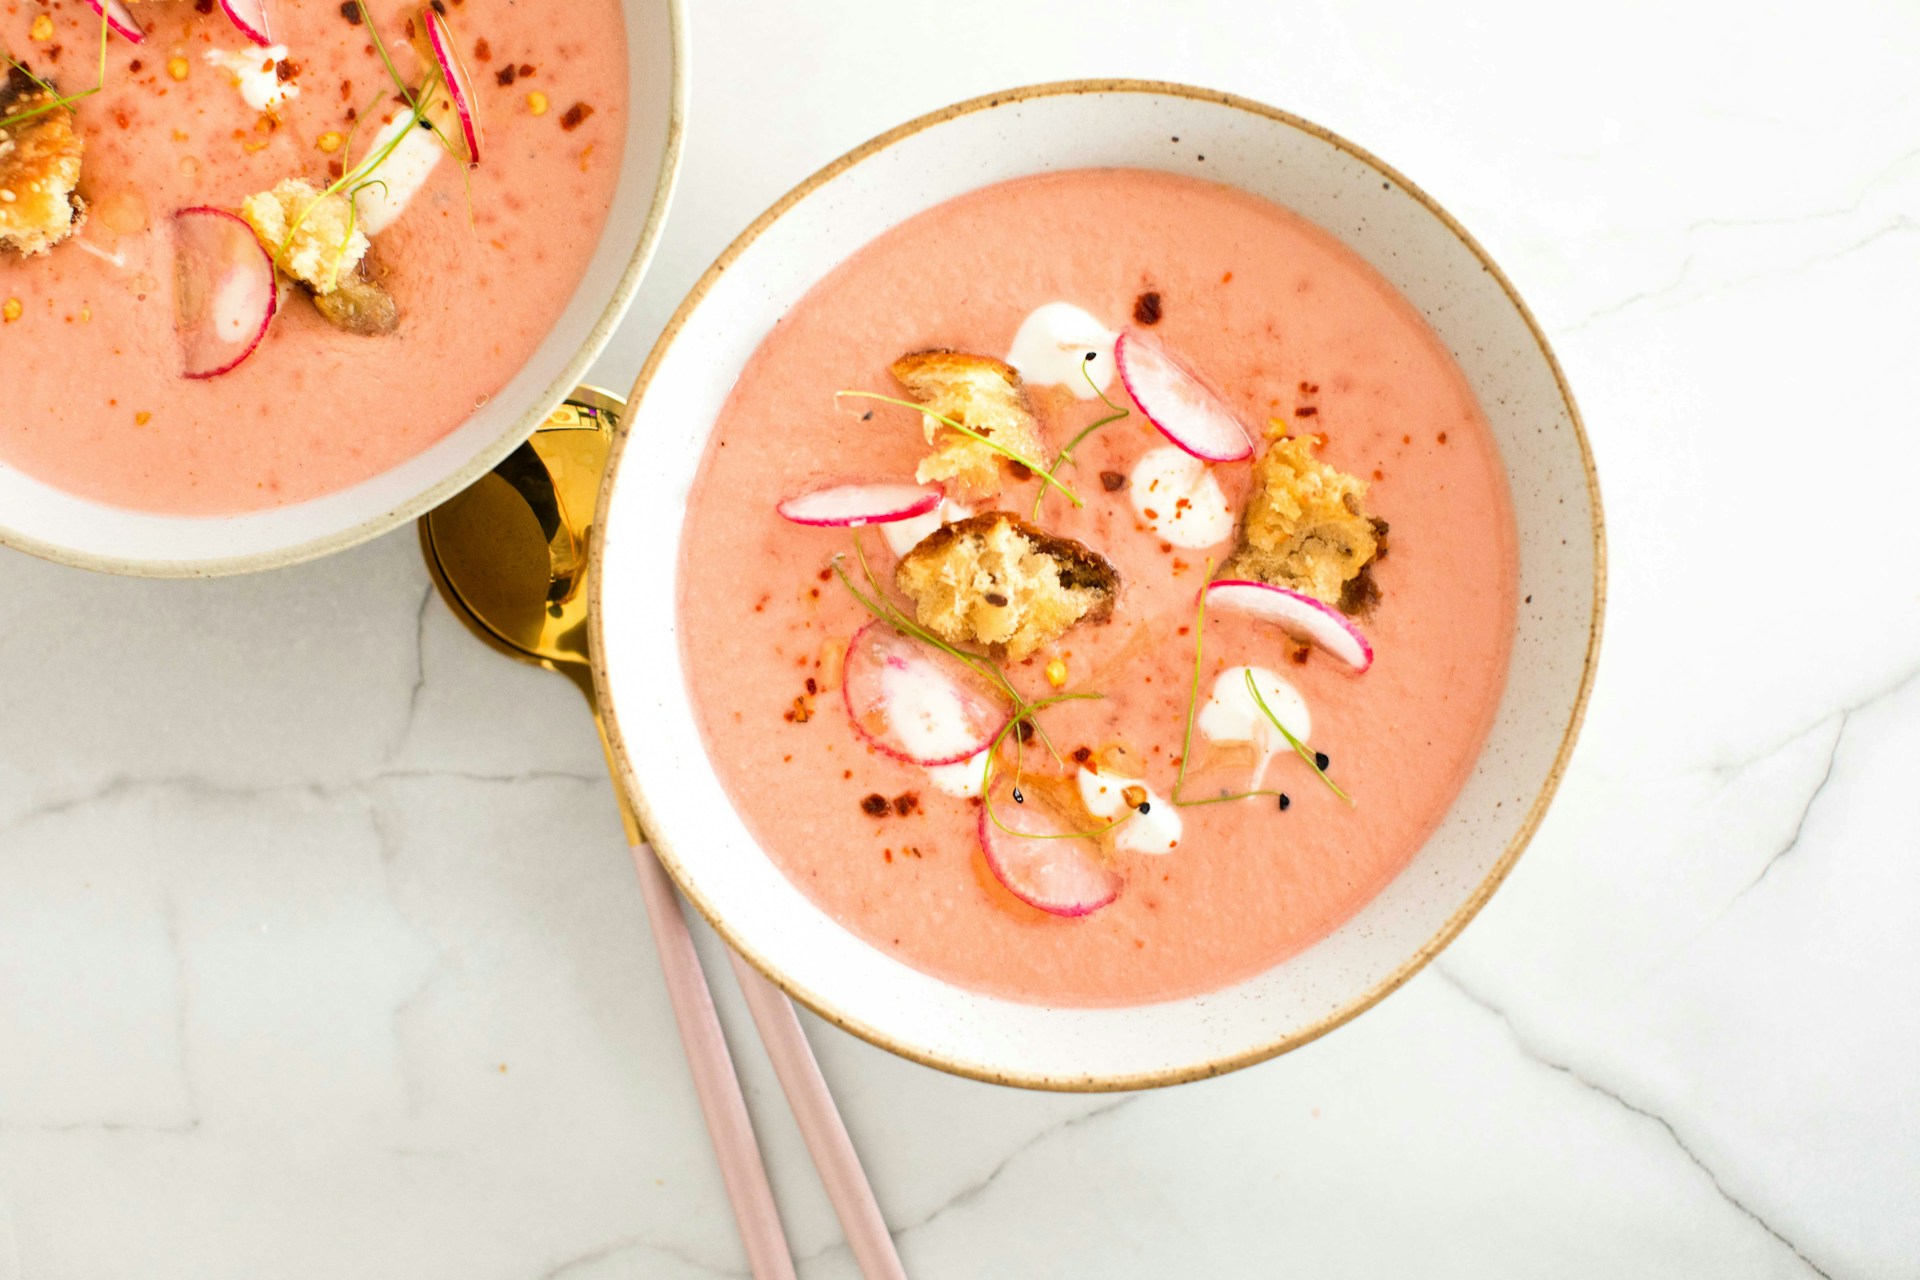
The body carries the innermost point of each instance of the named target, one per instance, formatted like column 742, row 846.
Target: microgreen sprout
column 58, row 100
column 1065, row 455
column 1300, row 748
column 1046, row 476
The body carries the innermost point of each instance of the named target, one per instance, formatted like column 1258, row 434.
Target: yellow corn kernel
column 1057, row 674
column 42, row 28
column 178, row 68
column 537, row 103
column 142, row 418
column 331, row 142
column 10, row 310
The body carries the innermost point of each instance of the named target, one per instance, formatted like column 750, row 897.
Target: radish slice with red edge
column 251, row 17
column 914, row 702
column 1061, row 876
column 1299, row 615
column 225, row 293
column 120, row 18
column 1187, row 411
column 459, row 86
column 850, row 505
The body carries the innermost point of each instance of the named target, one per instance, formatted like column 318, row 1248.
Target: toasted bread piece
column 995, row 580
column 313, row 237
column 39, row 168
column 359, row 305
column 986, row 396
column 1305, row 527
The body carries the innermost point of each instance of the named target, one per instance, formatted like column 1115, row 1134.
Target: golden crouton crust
column 39, row 169
column 995, row 580
column 1305, row 528
column 312, row 236
column 984, row 395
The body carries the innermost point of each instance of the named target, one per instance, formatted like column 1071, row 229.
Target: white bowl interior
column 37, row 517
column 862, row 987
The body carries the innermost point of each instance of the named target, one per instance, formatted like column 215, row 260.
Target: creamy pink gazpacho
column 475, row 265
column 1233, row 315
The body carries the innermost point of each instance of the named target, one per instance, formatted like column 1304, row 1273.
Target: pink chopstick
column 768, row 1254
column 820, row 1124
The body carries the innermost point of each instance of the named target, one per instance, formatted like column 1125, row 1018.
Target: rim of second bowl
column 818, row 1004
column 485, row 459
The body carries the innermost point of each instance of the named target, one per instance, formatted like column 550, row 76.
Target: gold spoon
column 509, row 556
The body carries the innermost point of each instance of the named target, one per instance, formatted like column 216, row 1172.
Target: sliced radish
column 914, row 702
column 251, row 17
column 857, row 504
column 1062, row 876
column 459, row 86
column 120, row 18
column 224, row 292
column 1187, row 411
column 1298, row 615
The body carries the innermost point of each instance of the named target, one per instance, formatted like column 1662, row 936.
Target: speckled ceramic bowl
column 1389, row 222
column 38, row 518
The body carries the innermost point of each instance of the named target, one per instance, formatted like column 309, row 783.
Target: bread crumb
column 1305, row 527
column 985, row 396
column 39, row 168
column 312, row 236
column 995, row 580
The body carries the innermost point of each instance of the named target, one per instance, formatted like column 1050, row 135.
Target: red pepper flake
column 439, row 7
column 1309, row 388
column 875, row 805
column 1379, row 474
column 1146, row 308
column 1443, row 437
column 1406, row 439
column 506, row 75
column 1082, row 754
column 906, row 802
column 136, row 66
column 351, row 11
column 287, row 70
column 1227, row 278
column 1112, row 481
column 846, row 773
column 888, row 854
column 526, row 69
column 334, row 170
column 1304, row 411
column 413, row 32
column 576, row 116
column 826, row 575
column 203, row 6
column 482, row 51
column 1149, row 513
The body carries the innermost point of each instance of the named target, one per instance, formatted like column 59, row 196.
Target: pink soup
column 92, row 399
column 1288, row 324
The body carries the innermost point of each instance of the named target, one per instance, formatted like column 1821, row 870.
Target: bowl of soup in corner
column 283, row 277
column 1119, row 621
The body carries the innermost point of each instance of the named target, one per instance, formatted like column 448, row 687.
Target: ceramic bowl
column 1408, row 238
column 45, row 521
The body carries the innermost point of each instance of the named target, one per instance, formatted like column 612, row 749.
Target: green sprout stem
column 1065, row 455
column 1300, row 748
column 1046, row 477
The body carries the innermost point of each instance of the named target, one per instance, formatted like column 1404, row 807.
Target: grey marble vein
column 1528, row 1050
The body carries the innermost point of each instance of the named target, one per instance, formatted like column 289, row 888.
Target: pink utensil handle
column 768, row 1255
column 820, row 1124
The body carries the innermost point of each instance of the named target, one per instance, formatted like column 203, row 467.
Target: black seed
column 1286, row 802
column 1321, row 761
column 1017, row 797
column 1145, row 806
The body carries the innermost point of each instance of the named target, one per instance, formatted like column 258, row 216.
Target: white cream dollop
column 1178, row 497
column 399, row 177
column 256, row 74
column 1051, row 349
column 1231, row 714
column 1155, row 831
column 904, row 535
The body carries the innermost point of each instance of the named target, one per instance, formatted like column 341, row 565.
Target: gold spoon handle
column 768, row 1255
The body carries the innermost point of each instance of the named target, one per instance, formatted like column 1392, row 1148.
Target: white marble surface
column 320, row 955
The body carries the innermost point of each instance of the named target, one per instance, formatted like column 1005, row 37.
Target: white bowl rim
column 489, row 455
column 820, row 1005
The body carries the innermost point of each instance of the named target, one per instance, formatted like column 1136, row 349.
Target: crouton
column 995, row 580
column 985, row 396
column 1305, row 528
column 39, row 167
column 313, row 237
column 359, row 305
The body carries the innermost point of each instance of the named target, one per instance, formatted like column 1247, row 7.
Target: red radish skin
column 1060, row 876
column 120, row 18
column 1299, row 615
column 225, row 292
column 459, row 85
column 1185, row 409
column 880, row 659
column 851, row 505
column 250, row 16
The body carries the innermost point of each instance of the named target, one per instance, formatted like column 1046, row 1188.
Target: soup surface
column 1289, row 326
column 92, row 397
